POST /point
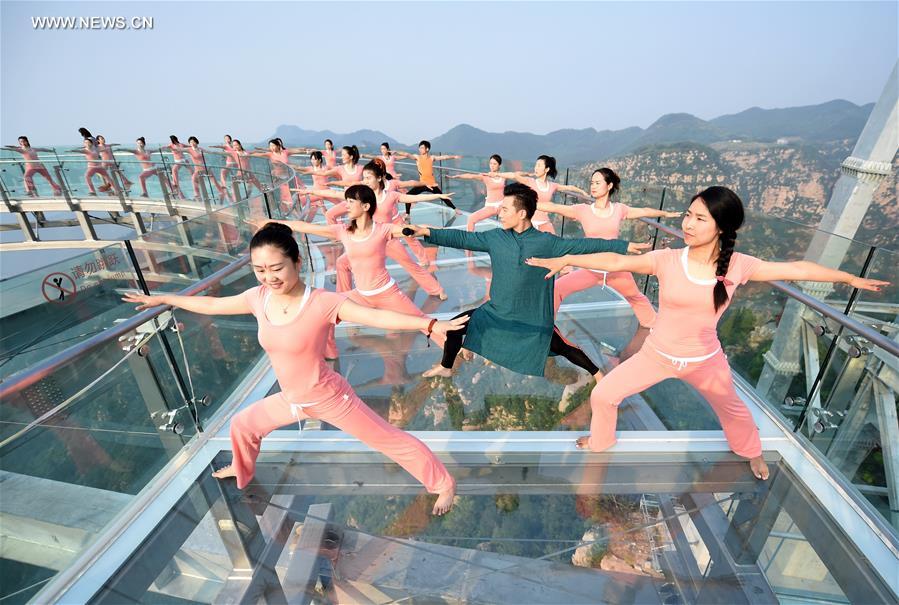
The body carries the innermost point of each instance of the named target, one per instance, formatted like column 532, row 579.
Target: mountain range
column 834, row 120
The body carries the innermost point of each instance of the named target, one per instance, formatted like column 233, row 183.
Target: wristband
column 431, row 326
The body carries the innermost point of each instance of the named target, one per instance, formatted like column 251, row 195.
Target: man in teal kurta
column 515, row 328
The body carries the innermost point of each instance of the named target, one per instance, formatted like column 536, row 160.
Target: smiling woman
column 294, row 323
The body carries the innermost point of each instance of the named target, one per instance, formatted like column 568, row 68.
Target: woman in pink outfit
column 148, row 168
column 348, row 172
column 294, row 321
column 329, row 154
column 366, row 239
column 108, row 157
column 33, row 166
column 544, row 170
column 94, row 167
column 603, row 219
column 229, row 159
column 177, row 149
column 386, row 211
column 198, row 155
column 494, row 183
column 319, row 173
column 388, row 157
column 696, row 284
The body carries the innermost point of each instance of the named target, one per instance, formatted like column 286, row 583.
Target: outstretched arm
column 572, row 189
column 452, row 238
column 447, row 157
column 203, row 305
column 425, row 197
column 466, row 177
column 604, row 261
column 633, row 213
column 391, row 320
column 808, row 271
column 325, row 193
column 521, row 177
column 566, row 211
column 326, row 231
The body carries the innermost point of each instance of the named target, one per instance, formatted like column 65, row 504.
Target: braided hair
column 726, row 208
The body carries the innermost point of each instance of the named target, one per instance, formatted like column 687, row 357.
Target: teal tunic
column 514, row 328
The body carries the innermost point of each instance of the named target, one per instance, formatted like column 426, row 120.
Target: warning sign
column 58, row 288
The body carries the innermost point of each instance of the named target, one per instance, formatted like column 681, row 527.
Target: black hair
column 317, row 155
column 550, row 163
column 525, row 198
column 236, row 141
column 377, row 167
column 173, row 138
column 278, row 236
column 192, row 138
column 142, row 140
column 427, row 144
column 498, row 158
column 23, row 137
column 100, row 136
column 365, row 195
column 228, row 136
column 276, row 141
column 610, row 177
column 726, row 209
column 387, row 145
column 84, row 132
column 330, row 141
column 353, row 151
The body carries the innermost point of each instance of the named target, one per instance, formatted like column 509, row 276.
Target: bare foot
column 582, row 443
column 225, row 472
column 466, row 354
column 598, row 376
column 438, row 370
column 759, row 468
column 442, row 296
column 444, row 501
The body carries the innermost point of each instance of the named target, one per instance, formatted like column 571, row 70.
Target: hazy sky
column 415, row 69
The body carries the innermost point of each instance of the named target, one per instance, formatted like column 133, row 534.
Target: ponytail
column 726, row 208
column 550, row 163
column 354, row 153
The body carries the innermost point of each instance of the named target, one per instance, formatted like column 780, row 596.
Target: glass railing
column 94, row 417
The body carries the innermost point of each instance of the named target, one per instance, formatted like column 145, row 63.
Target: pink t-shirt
column 368, row 256
column 106, row 153
column 352, row 177
column 196, row 155
column 390, row 163
column 330, row 158
column 596, row 225
column 386, row 211
column 177, row 151
column 495, row 188
column 297, row 348
column 144, row 157
column 319, row 181
column 686, row 325
column 543, row 195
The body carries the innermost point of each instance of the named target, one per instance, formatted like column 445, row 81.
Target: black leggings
column 557, row 345
column 422, row 189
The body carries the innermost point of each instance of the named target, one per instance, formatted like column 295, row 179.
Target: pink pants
column 621, row 282
column 484, row 213
column 30, row 171
column 393, row 299
column 712, row 378
column 348, row 413
column 142, row 177
column 175, row 166
column 89, row 174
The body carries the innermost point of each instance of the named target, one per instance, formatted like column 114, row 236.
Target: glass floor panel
column 350, row 528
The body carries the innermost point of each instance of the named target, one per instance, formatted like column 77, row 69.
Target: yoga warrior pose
column 603, row 219
column 348, row 172
column 178, row 161
column 198, row 155
column 294, row 321
column 384, row 211
column 109, row 161
column 229, row 159
column 33, row 166
column 544, row 170
column 515, row 329
column 696, row 284
column 494, row 184
column 425, row 163
column 94, row 167
column 148, row 169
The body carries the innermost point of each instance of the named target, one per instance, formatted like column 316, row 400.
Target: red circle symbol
column 59, row 288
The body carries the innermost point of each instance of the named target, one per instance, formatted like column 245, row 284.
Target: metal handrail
column 18, row 382
column 866, row 332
